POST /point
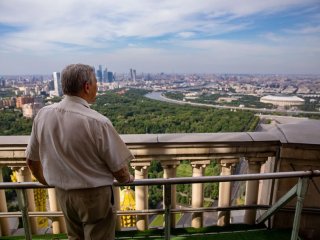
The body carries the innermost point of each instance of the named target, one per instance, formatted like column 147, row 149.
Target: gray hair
column 74, row 76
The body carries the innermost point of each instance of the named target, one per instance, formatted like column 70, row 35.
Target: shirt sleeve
column 32, row 151
column 112, row 149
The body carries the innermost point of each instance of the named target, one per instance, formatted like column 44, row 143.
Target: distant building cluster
column 110, row 80
column 103, row 75
column 30, row 92
column 26, row 93
column 29, row 106
column 282, row 100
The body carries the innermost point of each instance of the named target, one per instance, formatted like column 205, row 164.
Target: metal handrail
column 182, row 180
column 161, row 211
column 22, row 186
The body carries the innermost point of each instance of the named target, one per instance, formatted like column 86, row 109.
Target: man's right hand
column 123, row 175
column 131, row 179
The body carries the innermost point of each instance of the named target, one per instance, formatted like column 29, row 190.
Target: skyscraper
column 2, row 82
column 57, row 83
column 99, row 74
column 132, row 74
column 110, row 77
column 105, row 75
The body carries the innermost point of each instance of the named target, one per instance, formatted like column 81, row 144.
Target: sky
column 171, row 36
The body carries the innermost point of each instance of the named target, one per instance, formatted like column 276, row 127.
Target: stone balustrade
column 283, row 148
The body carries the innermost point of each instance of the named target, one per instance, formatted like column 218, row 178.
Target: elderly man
column 77, row 150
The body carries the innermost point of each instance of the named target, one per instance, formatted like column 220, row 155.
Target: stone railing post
column 252, row 189
column 224, row 200
column 58, row 223
column 141, row 194
column 24, row 175
column 170, row 171
column 4, row 223
column 198, row 170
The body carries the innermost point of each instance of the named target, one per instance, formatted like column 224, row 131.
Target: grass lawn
column 159, row 219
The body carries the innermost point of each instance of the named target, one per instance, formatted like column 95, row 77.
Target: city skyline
column 268, row 37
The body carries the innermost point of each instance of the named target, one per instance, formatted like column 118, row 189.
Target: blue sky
column 181, row 36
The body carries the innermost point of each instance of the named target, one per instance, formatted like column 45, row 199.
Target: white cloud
column 71, row 27
column 186, row 34
column 305, row 30
column 219, row 56
column 273, row 37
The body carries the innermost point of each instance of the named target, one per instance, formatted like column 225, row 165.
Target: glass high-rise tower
column 57, row 83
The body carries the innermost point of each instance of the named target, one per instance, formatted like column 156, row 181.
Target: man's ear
column 86, row 87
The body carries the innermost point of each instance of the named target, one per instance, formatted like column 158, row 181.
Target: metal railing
column 298, row 190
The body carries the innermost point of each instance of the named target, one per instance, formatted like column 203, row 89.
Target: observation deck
column 291, row 148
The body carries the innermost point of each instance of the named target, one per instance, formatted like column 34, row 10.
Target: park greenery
column 132, row 113
column 13, row 123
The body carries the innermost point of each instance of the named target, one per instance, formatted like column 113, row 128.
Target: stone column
column 58, row 223
column 198, row 170
column 141, row 195
column 225, row 191
column 24, row 175
column 170, row 171
column 252, row 189
column 4, row 223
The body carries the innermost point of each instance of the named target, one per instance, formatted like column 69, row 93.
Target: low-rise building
column 7, row 102
column 23, row 100
column 30, row 110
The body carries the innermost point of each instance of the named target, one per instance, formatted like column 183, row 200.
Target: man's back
column 78, row 151
column 73, row 145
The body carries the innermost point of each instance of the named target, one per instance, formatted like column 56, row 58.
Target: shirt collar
column 77, row 100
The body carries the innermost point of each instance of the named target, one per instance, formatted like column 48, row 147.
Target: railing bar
column 280, row 203
column 23, row 206
column 301, row 192
column 143, row 212
column 167, row 213
column 161, row 211
column 185, row 180
column 21, row 187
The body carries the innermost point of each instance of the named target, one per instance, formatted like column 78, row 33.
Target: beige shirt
column 77, row 146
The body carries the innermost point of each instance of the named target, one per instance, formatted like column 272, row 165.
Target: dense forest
column 132, row 113
column 13, row 123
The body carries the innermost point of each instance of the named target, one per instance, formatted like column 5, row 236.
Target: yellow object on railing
column 40, row 199
column 127, row 202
